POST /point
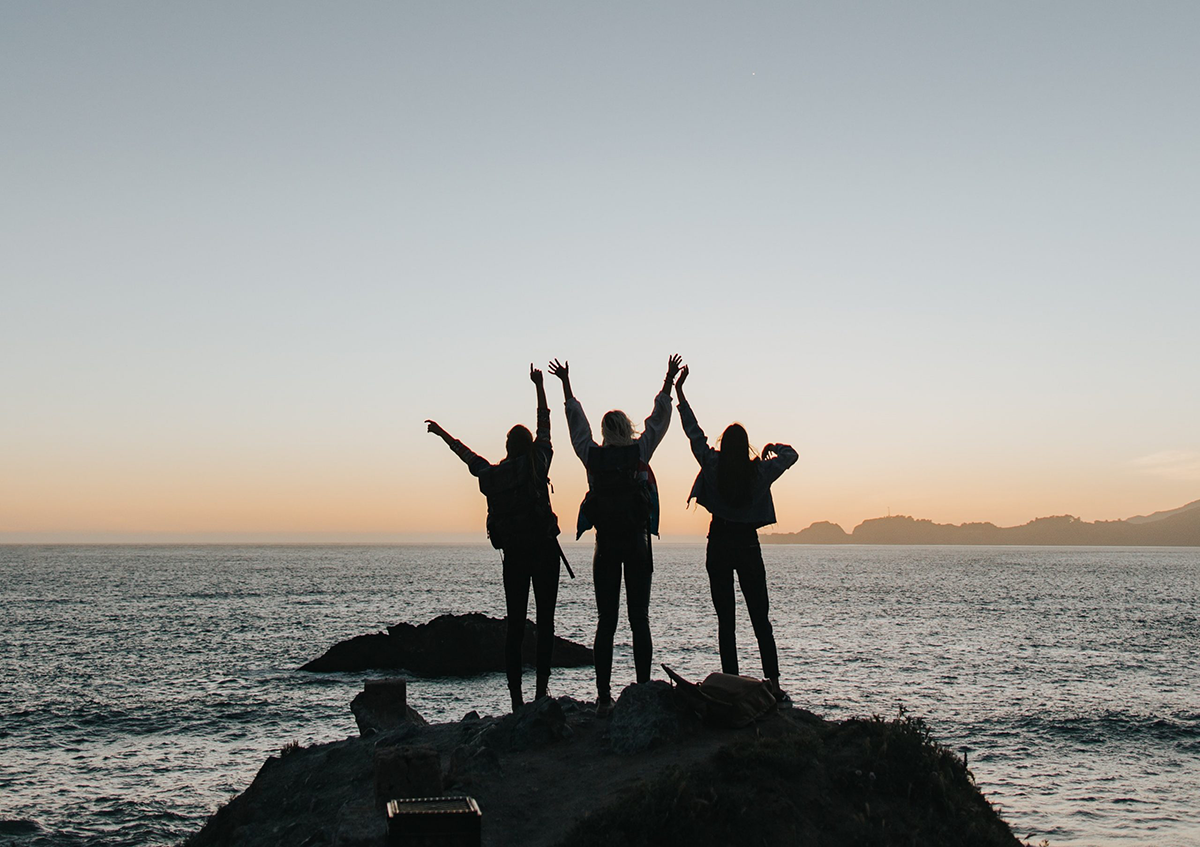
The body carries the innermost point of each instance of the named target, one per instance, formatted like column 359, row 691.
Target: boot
column 543, row 686
column 517, row 700
column 604, row 704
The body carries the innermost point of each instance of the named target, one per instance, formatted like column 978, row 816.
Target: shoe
column 781, row 696
column 543, row 688
column 604, row 706
column 517, row 700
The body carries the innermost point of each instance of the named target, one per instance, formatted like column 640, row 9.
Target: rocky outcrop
column 449, row 645
column 552, row 775
column 648, row 715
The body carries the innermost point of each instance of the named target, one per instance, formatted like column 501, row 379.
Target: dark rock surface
column 407, row 771
column 449, row 645
column 19, row 826
column 648, row 715
column 789, row 778
column 534, row 725
column 381, row 706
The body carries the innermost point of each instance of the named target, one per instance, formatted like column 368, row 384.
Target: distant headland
column 1174, row 528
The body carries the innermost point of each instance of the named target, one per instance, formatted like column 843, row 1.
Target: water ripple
column 167, row 674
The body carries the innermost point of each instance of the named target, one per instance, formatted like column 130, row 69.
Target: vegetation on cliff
column 863, row 782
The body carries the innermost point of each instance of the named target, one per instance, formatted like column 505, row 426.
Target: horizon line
column 380, row 538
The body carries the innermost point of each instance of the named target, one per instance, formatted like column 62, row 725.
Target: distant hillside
column 1175, row 528
column 1158, row 516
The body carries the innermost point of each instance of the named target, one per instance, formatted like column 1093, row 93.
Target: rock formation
column 1174, row 528
column 552, row 774
column 449, row 645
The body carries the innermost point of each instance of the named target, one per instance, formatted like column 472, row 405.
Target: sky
column 947, row 251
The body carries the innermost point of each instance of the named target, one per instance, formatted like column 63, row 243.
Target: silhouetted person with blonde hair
column 622, row 506
column 522, row 525
column 735, row 486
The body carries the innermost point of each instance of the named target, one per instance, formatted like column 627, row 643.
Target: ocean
column 142, row 686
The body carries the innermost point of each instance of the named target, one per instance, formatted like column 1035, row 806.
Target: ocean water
column 141, row 686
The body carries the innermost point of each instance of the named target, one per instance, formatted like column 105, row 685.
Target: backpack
column 725, row 699
column 619, row 499
column 518, row 501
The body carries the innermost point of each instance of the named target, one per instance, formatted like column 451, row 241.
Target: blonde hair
column 616, row 429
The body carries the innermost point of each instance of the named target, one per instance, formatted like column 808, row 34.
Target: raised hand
column 559, row 369
column 535, row 374
column 436, row 428
column 768, row 451
column 683, row 375
column 673, row 364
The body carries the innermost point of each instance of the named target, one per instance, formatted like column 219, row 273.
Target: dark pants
column 536, row 562
column 734, row 548
column 615, row 551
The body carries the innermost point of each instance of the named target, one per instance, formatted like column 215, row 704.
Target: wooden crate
column 434, row 822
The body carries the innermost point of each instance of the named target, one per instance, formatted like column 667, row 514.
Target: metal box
column 434, row 822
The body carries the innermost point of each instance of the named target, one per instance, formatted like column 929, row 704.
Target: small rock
column 19, row 826
column 647, row 715
column 536, row 724
column 381, row 706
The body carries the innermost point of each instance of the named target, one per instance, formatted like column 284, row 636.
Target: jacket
column 760, row 509
column 652, row 434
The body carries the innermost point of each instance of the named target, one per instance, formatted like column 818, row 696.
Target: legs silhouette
column 742, row 555
column 536, row 563
column 617, row 554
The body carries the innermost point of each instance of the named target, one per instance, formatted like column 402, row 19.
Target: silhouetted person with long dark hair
column 521, row 524
column 735, row 487
column 622, row 505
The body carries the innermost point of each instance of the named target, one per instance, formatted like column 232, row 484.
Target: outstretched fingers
column 673, row 364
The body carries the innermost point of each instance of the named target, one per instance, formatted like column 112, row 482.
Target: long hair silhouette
column 736, row 465
column 519, row 442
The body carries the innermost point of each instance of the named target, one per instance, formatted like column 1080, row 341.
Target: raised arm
column 683, row 375
column 541, row 442
column 777, row 458
column 577, row 422
column 691, row 427
column 475, row 463
column 562, row 370
column 673, row 365
column 535, row 375
column 656, row 425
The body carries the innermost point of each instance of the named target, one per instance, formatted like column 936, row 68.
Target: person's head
column 735, row 465
column 616, row 429
column 519, row 441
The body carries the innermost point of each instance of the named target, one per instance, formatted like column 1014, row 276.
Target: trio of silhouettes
column 733, row 484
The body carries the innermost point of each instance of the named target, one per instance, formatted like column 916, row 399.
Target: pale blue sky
column 946, row 250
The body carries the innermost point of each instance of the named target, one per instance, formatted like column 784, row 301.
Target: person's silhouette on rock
column 735, row 487
column 622, row 506
column 522, row 525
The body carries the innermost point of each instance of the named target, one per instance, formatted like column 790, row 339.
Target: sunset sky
column 947, row 251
